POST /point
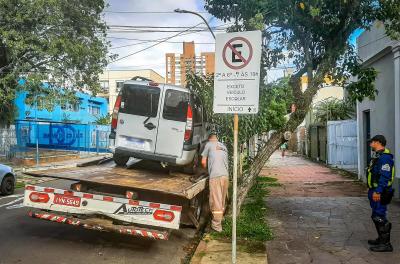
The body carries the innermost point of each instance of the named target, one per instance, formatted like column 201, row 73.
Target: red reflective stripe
column 154, row 205
column 49, row 190
column 133, row 202
column 30, row 188
column 108, row 198
column 88, row 196
column 176, row 208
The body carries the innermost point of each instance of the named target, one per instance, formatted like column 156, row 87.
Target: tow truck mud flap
column 93, row 225
column 126, row 210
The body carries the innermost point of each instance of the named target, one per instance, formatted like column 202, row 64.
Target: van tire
column 7, row 185
column 120, row 160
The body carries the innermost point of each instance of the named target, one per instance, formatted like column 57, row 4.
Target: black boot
column 384, row 234
column 377, row 241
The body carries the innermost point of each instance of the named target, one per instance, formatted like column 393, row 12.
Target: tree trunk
column 303, row 102
column 262, row 156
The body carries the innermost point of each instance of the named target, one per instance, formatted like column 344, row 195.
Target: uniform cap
column 379, row 138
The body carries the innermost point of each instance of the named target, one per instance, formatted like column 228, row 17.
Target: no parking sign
column 237, row 72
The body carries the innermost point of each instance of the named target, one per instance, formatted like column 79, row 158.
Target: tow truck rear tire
column 120, row 160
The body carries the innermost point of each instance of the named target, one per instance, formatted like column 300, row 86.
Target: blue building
column 67, row 126
column 86, row 112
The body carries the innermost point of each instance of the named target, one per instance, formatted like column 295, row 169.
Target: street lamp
column 196, row 14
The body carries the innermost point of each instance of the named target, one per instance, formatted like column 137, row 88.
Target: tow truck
column 139, row 200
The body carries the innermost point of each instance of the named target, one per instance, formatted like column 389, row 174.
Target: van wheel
column 7, row 185
column 120, row 160
column 192, row 167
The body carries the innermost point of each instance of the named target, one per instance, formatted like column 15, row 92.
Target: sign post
column 236, row 90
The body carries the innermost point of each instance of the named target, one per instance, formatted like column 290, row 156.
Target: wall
column 375, row 49
column 381, row 110
column 66, row 136
column 82, row 113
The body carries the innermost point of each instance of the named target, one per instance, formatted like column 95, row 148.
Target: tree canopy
column 314, row 36
column 58, row 42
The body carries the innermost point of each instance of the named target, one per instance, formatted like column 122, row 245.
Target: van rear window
column 175, row 106
column 140, row 100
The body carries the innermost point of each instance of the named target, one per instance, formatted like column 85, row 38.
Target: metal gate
column 342, row 144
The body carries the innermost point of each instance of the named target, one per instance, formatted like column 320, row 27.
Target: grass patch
column 19, row 185
column 251, row 225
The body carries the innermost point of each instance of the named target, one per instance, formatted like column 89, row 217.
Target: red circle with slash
column 237, row 53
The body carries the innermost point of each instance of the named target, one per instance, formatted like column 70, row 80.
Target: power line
column 146, row 12
column 158, row 31
column 147, row 41
column 141, row 26
column 136, row 52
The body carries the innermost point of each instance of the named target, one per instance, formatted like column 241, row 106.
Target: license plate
column 68, row 201
column 136, row 143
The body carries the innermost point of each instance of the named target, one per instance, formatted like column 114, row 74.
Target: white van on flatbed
column 158, row 122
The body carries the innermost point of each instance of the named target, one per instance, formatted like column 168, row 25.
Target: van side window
column 176, row 105
column 140, row 100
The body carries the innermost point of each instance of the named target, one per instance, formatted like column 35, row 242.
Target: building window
column 94, row 110
column 70, row 107
column 104, row 85
column 119, row 85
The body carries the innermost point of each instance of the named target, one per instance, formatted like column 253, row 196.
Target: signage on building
column 237, row 72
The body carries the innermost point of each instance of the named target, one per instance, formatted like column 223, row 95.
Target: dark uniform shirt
column 381, row 171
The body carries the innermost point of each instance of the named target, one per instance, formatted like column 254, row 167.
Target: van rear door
column 138, row 118
column 172, row 123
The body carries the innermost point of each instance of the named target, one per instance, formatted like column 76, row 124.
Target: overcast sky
column 154, row 58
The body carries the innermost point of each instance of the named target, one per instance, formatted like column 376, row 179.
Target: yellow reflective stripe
column 387, row 151
column 369, row 178
column 391, row 181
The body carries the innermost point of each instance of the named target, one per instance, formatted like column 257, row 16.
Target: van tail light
column 189, row 123
column 163, row 215
column 39, row 197
column 117, row 105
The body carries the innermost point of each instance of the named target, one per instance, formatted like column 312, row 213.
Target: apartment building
column 178, row 65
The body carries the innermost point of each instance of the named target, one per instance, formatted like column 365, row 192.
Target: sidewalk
column 322, row 216
column 215, row 251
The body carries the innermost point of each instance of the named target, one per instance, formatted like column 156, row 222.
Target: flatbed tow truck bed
column 135, row 176
column 141, row 199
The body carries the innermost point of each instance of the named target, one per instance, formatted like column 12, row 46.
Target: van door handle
column 149, row 126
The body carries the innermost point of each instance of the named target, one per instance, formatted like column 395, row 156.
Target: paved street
column 27, row 240
column 319, row 216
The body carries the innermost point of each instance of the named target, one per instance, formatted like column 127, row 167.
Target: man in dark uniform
column 380, row 192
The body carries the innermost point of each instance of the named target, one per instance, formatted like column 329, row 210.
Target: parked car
column 7, row 180
column 158, row 122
